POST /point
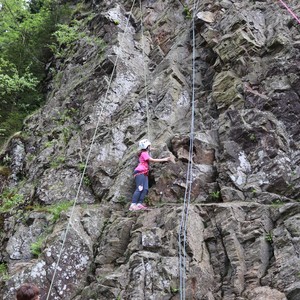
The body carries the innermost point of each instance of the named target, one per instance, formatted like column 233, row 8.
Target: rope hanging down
column 290, row 11
column 145, row 74
column 182, row 234
column 86, row 163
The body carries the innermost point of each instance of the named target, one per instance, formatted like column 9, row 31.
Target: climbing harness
column 86, row 163
column 182, row 234
column 290, row 11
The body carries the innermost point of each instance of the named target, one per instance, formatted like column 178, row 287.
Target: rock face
column 242, row 238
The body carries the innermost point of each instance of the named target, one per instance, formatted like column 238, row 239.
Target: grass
column 55, row 209
column 36, row 247
column 10, row 200
column 215, row 195
column 3, row 272
column 58, row 161
column 277, row 203
column 58, row 208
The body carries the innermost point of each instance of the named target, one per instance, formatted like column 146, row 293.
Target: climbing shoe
column 142, row 207
column 133, row 207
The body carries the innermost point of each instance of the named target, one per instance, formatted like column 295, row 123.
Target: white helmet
column 144, row 144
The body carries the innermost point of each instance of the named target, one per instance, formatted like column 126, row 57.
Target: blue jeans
column 142, row 186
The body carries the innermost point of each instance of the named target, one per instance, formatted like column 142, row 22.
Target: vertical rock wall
column 242, row 231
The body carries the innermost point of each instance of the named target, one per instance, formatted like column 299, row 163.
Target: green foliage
column 57, row 209
column 67, row 35
column 81, row 166
column 87, row 181
column 215, row 195
column 3, row 268
column 10, row 200
column 66, row 134
column 36, row 247
column 148, row 201
column 252, row 137
column 11, row 83
column 122, row 200
column 187, row 12
column 26, row 29
column 269, row 237
column 3, row 272
column 277, row 203
column 174, row 290
column 49, row 144
column 30, row 157
column 58, row 161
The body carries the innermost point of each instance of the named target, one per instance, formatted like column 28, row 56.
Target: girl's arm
column 159, row 159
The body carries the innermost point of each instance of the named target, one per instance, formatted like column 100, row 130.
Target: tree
column 26, row 30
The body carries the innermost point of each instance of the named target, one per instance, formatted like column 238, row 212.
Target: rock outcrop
column 132, row 75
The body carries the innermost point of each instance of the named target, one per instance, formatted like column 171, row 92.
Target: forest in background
column 30, row 33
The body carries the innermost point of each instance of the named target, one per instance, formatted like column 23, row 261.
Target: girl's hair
column 28, row 291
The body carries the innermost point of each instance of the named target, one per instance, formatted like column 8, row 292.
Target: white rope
column 145, row 74
column 86, row 163
column 189, row 180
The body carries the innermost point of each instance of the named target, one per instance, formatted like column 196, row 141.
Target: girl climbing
column 141, row 175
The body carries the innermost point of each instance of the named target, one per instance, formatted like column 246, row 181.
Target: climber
column 141, row 175
column 28, row 291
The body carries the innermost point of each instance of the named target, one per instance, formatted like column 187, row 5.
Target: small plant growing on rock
column 57, row 162
column 174, row 290
column 48, row 144
column 277, row 203
column 122, row 200
column 252, row 137
column 187, row 12
column 58, row 208
column 148, row 201
column 3, row 272
column 10, row 200
column 269, row 237
column 55, row 209
column 36, row 247
column 215, row 195
column 30, row 157
column 81, row 166
column 87, row 181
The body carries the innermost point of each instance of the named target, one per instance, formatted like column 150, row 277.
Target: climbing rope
column 182, row 234
column 86, row 163
column 290, row 11
column 145, row 74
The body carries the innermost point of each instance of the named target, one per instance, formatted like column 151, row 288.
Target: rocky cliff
column 131, row 75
